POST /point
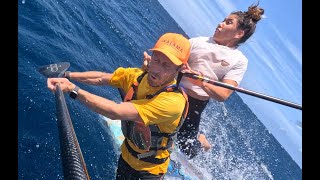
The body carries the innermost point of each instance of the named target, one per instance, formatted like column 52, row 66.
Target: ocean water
column 103, row 35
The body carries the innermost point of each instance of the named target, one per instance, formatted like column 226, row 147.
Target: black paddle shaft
column 73, row 163
column 252, row 93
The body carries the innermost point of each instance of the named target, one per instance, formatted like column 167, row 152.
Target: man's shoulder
column 129, row 71
column 127, row 75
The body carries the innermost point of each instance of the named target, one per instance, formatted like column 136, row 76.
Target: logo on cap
column 175, row 46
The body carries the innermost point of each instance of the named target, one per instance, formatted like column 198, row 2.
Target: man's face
column 161, row 70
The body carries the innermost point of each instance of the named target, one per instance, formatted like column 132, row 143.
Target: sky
column 274, row 52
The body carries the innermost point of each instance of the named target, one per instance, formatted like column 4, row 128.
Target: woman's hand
column 186, row 69
column 146, row 60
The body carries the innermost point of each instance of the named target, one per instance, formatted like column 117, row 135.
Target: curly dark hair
column 247, row 21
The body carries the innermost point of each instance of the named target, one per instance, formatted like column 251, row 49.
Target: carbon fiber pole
column 252, row 93
column 74, row 167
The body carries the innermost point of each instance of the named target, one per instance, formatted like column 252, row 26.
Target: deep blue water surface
column 103, row 35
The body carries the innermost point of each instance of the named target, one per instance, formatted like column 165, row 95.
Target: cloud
column 296, row 52
column 226, row 5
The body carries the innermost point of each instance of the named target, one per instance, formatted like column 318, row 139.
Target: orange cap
column 175, row 46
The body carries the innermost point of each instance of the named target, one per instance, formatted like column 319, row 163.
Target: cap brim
column 172, row 57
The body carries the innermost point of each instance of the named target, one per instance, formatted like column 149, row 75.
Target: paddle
column 72, row 158
column 54, row 70
column 252, row 93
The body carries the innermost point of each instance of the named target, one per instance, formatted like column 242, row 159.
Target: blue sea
column 103, row 35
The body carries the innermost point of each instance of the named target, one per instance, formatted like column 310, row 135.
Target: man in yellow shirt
column 153, row 109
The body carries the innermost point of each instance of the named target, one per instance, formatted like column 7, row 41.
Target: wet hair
column 247, row 21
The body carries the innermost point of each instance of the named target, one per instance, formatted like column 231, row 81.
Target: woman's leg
column 187, row 136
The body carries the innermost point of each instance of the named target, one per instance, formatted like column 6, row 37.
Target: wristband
column 74, row 93
column 67, row 75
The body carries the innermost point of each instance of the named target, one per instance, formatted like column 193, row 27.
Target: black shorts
column 126, row 172
column 187, row 136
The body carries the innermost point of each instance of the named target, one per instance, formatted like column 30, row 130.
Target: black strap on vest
column 170, row 88
column 135, row 86
column 180, row 74
column 150, row 159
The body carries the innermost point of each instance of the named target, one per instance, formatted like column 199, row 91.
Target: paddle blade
column 54, row 70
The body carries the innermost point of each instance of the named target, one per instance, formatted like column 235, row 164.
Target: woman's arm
column 216, row 92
